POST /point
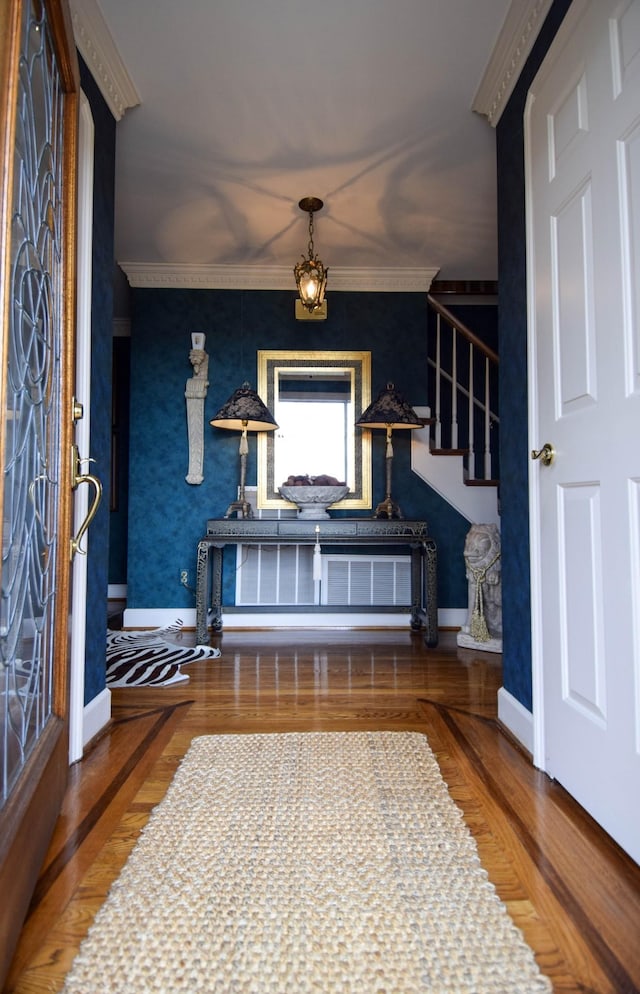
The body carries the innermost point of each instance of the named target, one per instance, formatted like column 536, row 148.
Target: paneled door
column 583, row 162
column 39, row 89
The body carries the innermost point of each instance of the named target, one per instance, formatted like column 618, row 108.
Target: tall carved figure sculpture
column 195, row 393
column 483, row 629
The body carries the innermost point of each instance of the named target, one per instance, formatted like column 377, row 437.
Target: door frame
column 84, row 282
column 572, row 17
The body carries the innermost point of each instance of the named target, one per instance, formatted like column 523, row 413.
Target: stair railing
column 465, row 372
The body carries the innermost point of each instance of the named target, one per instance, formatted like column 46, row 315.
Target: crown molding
column 512, row 49
column 168, row 276
column 98, row 49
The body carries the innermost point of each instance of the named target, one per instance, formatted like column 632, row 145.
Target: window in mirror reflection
column 313, row 406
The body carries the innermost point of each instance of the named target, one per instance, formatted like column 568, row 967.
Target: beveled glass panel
column 32, row 402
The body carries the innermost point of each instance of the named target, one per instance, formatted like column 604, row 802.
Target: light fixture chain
column 310, row 246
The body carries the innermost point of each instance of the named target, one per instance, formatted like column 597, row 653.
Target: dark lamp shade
column 244, row 409
column 389, row 409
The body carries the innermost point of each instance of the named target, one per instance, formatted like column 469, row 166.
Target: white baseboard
column 516, row 718
column 148, row 617
column 96, row 714
column 158, row 617
column 337, row 619
column 452, row 617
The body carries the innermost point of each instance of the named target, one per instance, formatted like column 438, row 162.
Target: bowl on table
column 312, row 501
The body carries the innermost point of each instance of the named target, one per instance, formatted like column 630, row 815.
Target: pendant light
column 311, row 274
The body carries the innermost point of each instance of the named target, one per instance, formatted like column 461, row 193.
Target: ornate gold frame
column 269, row 361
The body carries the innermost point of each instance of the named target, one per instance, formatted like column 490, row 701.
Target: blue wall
column 514, row 452
column 167, row 516
column 118, row 518
column 101, row 345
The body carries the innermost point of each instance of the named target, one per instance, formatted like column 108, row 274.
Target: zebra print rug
column 151, row 659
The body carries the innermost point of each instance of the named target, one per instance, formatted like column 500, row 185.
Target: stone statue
column 195, row 393
column 483, row 629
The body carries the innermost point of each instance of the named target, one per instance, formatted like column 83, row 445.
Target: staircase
column 457, row 451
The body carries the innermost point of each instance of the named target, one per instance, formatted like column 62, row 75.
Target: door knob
column 546, row 454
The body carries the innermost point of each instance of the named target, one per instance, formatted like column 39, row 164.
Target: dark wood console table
column 334, row 531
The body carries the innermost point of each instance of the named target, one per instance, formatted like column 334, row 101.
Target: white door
column 583, row 212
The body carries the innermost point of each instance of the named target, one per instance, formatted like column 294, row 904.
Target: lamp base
column 241, row 507
column 388, row 509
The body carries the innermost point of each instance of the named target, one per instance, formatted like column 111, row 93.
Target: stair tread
column 449, row 452
column 466, row 481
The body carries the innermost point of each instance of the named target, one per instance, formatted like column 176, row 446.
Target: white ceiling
column 230, row 111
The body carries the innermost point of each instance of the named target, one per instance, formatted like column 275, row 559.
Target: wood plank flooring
column 574, row 894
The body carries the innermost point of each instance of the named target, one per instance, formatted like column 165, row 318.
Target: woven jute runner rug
column 305, row 862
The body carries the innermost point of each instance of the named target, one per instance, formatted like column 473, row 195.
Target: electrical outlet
column 184, row 577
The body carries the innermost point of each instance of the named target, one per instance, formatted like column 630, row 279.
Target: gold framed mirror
column 316, row 399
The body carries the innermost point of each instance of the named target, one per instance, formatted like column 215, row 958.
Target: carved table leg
column 417, row 611
column 431, row 589
column 216, row 590
column 202, row 584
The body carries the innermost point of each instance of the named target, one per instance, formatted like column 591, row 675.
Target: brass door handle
column 77, row 477
column 546, row 454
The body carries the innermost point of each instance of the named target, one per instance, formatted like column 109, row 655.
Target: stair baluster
column 479, row 403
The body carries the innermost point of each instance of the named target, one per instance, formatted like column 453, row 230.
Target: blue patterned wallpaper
column 118, row 518
column 167, row 516
column 101, row 345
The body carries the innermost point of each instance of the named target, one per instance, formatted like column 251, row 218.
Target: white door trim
column 83, row 427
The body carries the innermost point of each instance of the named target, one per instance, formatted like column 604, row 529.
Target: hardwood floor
column 571, row 890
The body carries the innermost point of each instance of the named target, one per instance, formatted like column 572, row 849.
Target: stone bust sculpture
column 483, row 629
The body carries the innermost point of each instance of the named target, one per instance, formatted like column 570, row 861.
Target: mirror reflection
column 316, row 398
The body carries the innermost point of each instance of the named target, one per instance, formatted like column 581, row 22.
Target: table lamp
column 389, row 410
column 244, row 411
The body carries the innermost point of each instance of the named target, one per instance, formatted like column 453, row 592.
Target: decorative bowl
column 312, row 502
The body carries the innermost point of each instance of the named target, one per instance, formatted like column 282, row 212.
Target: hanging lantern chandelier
column 311, row 274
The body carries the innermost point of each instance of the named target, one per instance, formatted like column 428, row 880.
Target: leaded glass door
column 39, row 87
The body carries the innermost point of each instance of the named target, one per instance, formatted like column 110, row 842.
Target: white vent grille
column 375, row 580
column 283, row 575
column 275, row 574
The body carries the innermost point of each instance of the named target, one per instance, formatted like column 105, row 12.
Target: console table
column 334, row 531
